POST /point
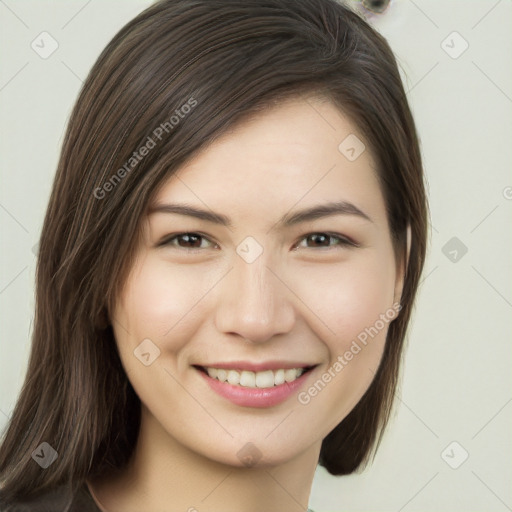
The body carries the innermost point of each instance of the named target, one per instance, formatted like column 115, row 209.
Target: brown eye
column 190, row 240
column 319, row 240
column 186, row 241
column 323, row 240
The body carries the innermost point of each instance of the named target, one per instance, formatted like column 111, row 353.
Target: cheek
column 161, row 298
column 163, row 304
column 351, row 300
column 348, row 297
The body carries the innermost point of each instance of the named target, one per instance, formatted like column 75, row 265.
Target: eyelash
column 343, row 240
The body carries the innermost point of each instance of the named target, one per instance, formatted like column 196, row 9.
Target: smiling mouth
column 250, row 379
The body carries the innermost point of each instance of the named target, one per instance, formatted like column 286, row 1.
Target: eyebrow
column 287, row 220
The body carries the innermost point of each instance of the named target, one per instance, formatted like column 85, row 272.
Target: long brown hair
column 225, row 60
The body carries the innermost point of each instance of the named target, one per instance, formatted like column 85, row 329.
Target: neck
column 163, row 473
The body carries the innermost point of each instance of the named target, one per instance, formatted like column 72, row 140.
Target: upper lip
column 257, row 367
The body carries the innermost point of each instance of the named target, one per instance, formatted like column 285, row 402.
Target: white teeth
column 279, row 377
column 233, row 377
column 264, row 379
column 247, row 379
column 290, row 375
column 212, row 372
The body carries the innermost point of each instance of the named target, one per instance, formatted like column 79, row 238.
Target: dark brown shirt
column 57, row 500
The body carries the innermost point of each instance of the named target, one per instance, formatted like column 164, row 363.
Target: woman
column 227, row 267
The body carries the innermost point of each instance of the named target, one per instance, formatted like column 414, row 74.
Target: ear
column 402, row 268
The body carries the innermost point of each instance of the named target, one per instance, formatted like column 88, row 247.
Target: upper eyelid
column 167, row 239
column 345, row 240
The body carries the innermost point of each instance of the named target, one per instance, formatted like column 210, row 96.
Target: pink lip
column 254, row 397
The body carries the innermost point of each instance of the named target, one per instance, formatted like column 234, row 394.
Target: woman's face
column 260, row 286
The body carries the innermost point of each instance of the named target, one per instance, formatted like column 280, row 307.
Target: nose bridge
column 253, row 302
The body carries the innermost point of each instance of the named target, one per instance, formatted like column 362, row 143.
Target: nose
column 254, row 302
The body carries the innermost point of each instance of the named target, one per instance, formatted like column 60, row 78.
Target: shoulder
column 59, row 499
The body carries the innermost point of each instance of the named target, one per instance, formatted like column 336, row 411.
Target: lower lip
column 255, row 397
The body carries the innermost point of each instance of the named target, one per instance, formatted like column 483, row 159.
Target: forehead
column 298, row 152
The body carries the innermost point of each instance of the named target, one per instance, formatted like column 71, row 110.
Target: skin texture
column 209, row 305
